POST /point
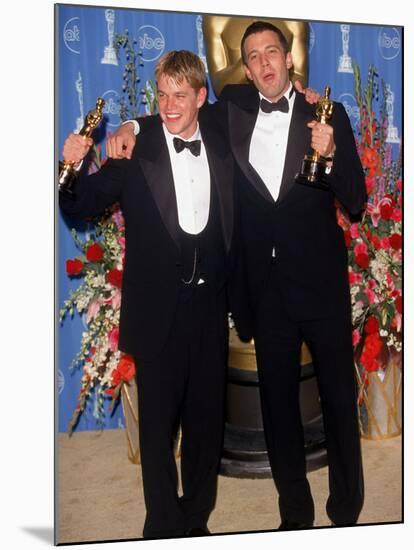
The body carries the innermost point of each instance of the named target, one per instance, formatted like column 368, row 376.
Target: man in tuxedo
column 291, row 283
column 295, row 266
column 176, row 194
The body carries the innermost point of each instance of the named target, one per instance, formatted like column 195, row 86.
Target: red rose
column 376, row 241
column 362, row 260
column 397, row 213
column 348, row 239
column 395, row 241
column 74, row 267
column 372, row 348
column 94, row 253
column 116, row 378
column 398, row 304
column 126, row 368
column 354, row 278
column 114, row 277
column 372, row 325
column 386, row 211
column 385, row 243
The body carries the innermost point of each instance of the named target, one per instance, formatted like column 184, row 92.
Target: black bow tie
column 194, row 146
column 281, row 105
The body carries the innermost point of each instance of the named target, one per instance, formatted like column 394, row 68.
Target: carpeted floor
column 99, row 492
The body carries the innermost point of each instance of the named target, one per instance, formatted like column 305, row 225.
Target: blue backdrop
column 87, row 68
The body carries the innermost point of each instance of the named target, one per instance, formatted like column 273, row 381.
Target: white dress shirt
column 192, row 184
column 268, row 145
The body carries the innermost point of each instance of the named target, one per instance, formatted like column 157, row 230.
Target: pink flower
column 93, row 310
column 381, row 209
column 356, row 337
column 372, row 283
column 118, row 219
column 113, row 338
column 397, row 322
column 121, row 241
column 397, row 256
column 361, row 248
column 354, row 231
column 372, row 297
column 390, row 281
column 116, row 299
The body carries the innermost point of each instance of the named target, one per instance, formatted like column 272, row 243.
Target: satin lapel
column 221, row 176
column 298, row 143
column 155, row 162
column 241, row 126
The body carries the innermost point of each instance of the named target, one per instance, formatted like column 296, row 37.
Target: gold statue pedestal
column 244, row 451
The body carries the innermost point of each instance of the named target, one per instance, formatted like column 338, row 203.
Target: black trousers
column 278, row 343
column 184, row 387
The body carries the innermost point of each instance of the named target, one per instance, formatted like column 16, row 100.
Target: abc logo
column 72, row 35
column 389, row 42
column 112, row 107
column 351, row 108
column 151, row 42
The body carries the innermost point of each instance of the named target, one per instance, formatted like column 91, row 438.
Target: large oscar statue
column 223, row 34
column 67, row 171
column 313, row 172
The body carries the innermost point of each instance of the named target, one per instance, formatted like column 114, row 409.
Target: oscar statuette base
column 244, row 450
column 313, row 174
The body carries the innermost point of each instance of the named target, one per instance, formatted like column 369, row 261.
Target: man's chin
column 172, row 127
column 269, row 92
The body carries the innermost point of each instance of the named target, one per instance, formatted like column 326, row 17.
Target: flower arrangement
column 98, row 297
column 100, row 266
column 375, row 243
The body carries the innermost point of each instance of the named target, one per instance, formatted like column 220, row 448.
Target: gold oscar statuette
column 67, row 171
column 313, row 172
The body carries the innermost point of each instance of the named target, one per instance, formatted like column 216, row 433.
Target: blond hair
column 180, row 65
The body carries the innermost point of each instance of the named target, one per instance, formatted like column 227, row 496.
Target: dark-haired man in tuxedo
column 176, row 195
column 297, row 272
column 292, row 283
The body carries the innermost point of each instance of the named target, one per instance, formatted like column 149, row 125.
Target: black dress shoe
column 294, row 525
column 198, row 532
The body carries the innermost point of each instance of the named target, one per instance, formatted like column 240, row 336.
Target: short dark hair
column 260, row 26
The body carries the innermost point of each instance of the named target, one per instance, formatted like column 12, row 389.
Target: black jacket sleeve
column 346, row 178
column 96, row 192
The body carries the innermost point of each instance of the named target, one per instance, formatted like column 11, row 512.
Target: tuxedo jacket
column 310, row 252
column 144, row 187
